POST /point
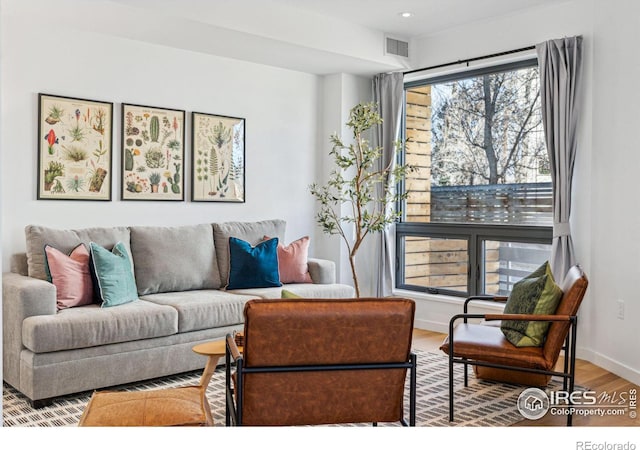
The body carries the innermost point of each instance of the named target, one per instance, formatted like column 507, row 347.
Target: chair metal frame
column 569, row 347
column 233, row 413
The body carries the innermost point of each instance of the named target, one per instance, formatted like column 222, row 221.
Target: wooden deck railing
column 515, row 204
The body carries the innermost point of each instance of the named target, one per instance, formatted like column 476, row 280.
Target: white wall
column 615, row 216
column 281, row 108
column 604, row 219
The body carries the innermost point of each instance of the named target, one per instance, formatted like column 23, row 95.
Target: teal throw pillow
column 113, row 274
column 531, row 295
column 253, row 267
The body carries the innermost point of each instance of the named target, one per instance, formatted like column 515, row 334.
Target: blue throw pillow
column 115, row 282
column 253, row 267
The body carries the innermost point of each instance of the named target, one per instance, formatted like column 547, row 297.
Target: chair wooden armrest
column 530, row 317
column 572, row 319
column 232, row 348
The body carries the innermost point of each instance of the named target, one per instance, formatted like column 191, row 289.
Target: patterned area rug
column 482, row 404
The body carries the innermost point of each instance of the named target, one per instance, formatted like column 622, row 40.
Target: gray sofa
column 179, row 274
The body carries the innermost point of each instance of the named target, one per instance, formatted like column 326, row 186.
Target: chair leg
column 412, row 390
column 466, row 375
column 566, row 358
column 451, row 368
column 450, row 388
column 227, row 385
column 572, row 364
column 227, row 419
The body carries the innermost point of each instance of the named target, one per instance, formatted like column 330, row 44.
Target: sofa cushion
column 205, row 309
column 90, row 325
column 304, row 290
column 65, row 241
column 253, row 267
column 252, row 232
column 169, row 259
column 115, row 283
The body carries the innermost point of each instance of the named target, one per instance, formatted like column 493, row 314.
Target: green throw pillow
column 113, row 273
column 289, row 294
column 531, row 295
column 542, row 270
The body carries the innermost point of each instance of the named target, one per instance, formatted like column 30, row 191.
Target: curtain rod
column 467, row 61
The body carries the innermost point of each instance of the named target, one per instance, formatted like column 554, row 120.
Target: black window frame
column 475, row 234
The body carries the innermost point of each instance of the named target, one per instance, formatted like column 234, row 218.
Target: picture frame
column 75, row 139
column 153, row 140
column 217, row 158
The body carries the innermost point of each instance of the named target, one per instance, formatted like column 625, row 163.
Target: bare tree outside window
column 487, row 129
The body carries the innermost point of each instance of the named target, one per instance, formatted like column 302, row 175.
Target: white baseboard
column 607, row 363
column 430, row 325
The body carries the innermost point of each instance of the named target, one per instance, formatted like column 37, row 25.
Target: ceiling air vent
column 397, row 47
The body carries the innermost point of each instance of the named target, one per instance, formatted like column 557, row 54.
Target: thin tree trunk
column 352, row 262
column 489, row 112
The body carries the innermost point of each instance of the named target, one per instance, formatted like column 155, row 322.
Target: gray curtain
column 560, row 62
column 388, row 92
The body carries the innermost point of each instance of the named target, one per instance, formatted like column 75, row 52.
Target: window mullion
column 474, row 263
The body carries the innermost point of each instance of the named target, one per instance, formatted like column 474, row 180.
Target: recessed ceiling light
column 406, row 14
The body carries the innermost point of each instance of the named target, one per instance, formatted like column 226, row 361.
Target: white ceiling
column 315, row 36
column 429, row 16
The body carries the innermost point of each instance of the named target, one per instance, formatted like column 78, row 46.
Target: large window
column 478, row 214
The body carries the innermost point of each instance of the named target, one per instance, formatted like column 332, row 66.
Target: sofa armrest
column 22, row 297
column 18, row 264
column 322, row 271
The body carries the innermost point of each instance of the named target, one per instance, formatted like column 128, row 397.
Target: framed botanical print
column 74, row 148
column 217, row 158
column 152, row 153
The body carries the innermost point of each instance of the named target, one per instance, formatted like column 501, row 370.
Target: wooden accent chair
column 310, row 362
column 484, row 346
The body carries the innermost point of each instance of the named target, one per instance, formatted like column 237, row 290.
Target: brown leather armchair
column 493, row 357
column 307, row 362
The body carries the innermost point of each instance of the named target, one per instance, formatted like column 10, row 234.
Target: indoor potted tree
column 360, row 182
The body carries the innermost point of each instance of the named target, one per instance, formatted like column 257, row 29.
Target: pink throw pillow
column 70, row 275
column 292, row 261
